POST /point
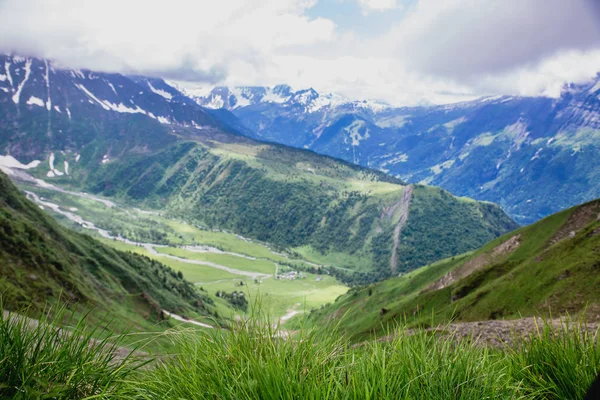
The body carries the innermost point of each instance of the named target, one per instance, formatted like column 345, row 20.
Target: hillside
column 333, row 212
column 548, row 268
column 193, row 165
column 42, row 263
column 509, row 150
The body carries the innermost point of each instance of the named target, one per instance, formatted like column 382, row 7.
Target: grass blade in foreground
column 39, row 360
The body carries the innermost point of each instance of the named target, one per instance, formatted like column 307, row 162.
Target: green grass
column 192, row 272
column 332, row 258
column 221, row 240
column 280, row 296
column 41, row 361
column 232, row 261
column 254, row 362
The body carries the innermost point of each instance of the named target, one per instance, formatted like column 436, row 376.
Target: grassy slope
column 541, row 276
column 298, row 199
column 41, row 261
column 277, row 296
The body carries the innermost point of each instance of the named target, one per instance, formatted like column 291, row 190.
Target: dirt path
column 404, row 205
column 500, row 333
column 150, row 247
column 253, row 275
column 189, row 321
column 292, row 312
column 214, row 250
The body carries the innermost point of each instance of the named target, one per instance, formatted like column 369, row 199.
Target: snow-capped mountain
column 66, row 119
column 533, row 155
column 30, row 83
column 306, row 100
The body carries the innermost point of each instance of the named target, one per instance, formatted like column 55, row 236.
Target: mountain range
column 141, row 141
column 531, row 155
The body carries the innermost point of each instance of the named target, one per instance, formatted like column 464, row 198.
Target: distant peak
column 307, row 100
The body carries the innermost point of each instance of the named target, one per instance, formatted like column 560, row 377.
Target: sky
column 404, row 52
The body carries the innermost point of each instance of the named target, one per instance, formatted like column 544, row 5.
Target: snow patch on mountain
column 243, row 96
column 11, row 162
column 328, row 100
column 120, row 108
column 354, row 132
column 395, row 159
column 537, row 154
column 17, row 97
column 53, row 171
column 112, row 87
column 271, row 96
column 47, row 80
column 8, row 75
column 595, row 88
column 34, row 101
column 355, row 135
column 91, row 96
column 216, row 102
column 160, row 92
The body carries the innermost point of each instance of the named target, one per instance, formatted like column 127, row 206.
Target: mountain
column 178, row 157
column 42, row 262
column 549, row 268
column 532, row 155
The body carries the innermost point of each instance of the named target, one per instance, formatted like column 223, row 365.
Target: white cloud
column 545, row 78
column 154, row 35
column 377, row 5
column 441, row 51
column 460, row 38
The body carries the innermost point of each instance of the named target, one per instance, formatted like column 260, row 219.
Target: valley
column 205, row 257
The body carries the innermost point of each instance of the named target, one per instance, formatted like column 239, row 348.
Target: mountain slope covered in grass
column 42, row 263
column 334, row 212
column 548, row 268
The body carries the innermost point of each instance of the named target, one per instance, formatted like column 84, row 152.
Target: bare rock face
column 501, row 333
column 476, row 264
column 577, row 220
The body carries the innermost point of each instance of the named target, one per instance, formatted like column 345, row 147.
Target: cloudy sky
column 399, row 51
